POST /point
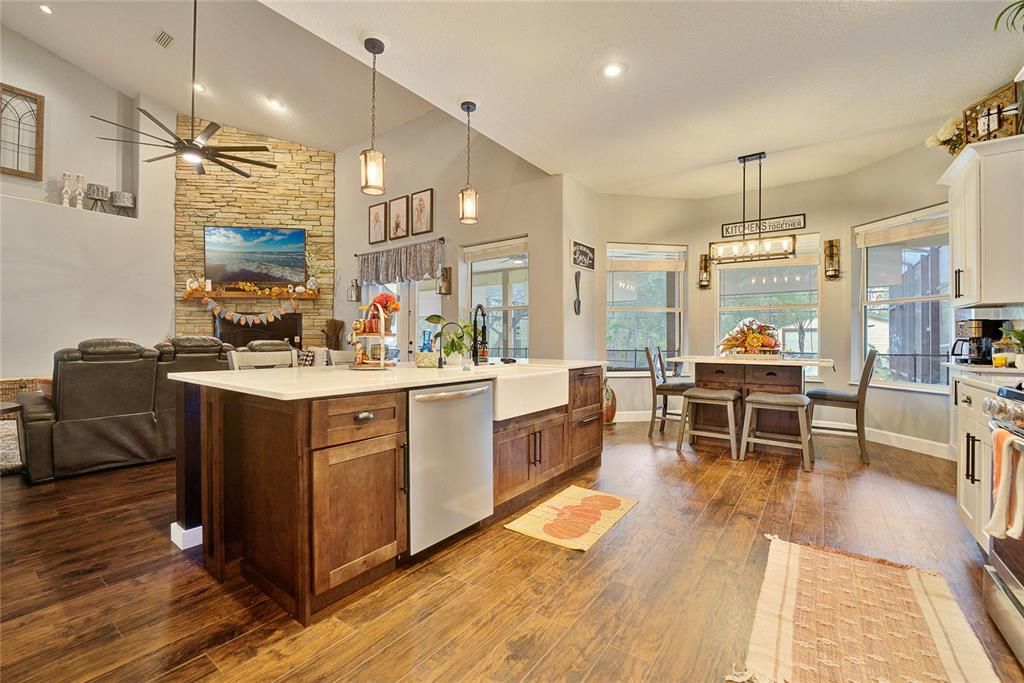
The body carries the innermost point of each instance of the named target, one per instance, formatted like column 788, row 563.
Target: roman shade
column 420, row 261
column 927, row 222
column 646, row 257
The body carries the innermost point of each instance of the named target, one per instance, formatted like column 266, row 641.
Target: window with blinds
column 905, row 309
column 645, row 302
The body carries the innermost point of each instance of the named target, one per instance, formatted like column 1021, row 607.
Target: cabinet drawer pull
column 771, row 373
column 956, row 283
column 966, row 400
column 588, row 420
column 404, row 488
column 974, row 459
column 719, row 372
column 364, row 417
column 590, row 373
column 540, row 452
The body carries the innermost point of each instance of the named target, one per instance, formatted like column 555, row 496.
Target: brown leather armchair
column 101, row 415
column 181, row 354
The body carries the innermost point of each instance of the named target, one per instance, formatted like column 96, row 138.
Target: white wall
column 68, row 274
column 69, row 135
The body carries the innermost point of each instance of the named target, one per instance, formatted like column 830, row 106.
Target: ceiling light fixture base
column 375, row 44
column 757, row 156
column 468, row 106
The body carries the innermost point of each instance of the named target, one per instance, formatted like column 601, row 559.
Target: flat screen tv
column 263, row 256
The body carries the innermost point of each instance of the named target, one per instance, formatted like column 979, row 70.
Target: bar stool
column 662, row 386
column 788, row 403
column 712, row 397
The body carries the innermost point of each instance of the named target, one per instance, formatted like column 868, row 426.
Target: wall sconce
column 354, row 293
column 704, row 272
column 444, row 283
column 832, row 260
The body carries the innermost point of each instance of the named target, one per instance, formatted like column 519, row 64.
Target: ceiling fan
column 194, row 149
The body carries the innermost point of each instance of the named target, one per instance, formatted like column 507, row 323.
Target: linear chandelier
column 760, row 247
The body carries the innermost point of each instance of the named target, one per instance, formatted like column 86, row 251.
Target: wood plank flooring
column 91, row 587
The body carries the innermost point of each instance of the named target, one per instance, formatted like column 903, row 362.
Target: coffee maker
column 973, row 344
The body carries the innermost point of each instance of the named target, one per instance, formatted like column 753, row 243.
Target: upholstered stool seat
column 833, row 395
column 728, row 398
column 791, row 403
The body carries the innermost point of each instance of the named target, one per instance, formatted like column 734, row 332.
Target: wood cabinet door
column 359, row 508
column 551, row 452
column 967, row 491
column 513, row 455
column 965, row 234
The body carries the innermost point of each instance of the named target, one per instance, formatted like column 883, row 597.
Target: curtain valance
column 418, row 261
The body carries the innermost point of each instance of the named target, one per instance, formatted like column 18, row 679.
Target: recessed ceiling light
column 46, row 9
column 613, row 69
column 275, row 103
column 199, row 87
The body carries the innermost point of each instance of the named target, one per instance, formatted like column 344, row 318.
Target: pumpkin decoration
column 574, row 521
column 567, row 527
column 602, row 502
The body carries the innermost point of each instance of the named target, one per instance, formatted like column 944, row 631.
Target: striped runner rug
column 826, row 615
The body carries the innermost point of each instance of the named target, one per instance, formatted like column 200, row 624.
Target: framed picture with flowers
column 377, row 223
column 398, row 218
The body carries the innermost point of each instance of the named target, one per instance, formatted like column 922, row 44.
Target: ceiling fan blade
column 228, row 166
column 134, row 130
column 136, row 142
column 165, row 156
column 199, row 169
column 208, row 132
column 162, row 126
column 232, row 157
column 240, row 148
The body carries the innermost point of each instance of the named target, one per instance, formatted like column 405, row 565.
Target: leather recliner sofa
column 111, row 407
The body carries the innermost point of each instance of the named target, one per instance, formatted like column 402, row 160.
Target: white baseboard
column 186, row 538
column 936, row 449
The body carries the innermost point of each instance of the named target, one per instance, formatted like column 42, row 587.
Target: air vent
column 163, row 38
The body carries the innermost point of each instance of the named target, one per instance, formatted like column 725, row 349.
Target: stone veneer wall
column 299, row 193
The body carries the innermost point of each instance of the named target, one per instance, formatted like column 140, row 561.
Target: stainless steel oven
column 1004, row 575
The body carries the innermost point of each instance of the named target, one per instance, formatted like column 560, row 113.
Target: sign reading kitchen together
column 768, row 225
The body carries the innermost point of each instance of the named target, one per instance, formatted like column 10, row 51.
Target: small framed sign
column 797, row 221
column 582, row 255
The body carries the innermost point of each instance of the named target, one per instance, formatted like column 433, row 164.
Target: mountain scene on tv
column 259, row 255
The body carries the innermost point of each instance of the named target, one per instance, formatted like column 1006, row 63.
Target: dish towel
column 1007, row 488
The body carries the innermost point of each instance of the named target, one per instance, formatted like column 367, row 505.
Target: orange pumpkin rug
column 575, row 518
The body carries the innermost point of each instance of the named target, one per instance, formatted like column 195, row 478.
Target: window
column 905, row 300
column 499, row 276
column 645, row 308
column 782, row 293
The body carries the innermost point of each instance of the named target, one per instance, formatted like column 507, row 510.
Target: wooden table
column 746, row 375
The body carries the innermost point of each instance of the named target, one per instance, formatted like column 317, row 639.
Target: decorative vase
column 312, row 285
column 610, row 404
column 123, row 202
column 80, row 192
column 66, row 192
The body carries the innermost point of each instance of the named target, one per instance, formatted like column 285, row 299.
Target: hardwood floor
column 92, row 588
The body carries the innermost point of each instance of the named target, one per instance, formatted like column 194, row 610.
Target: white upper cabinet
column 986, row 223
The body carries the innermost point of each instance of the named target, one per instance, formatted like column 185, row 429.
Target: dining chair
column 662, row 387
column 335, row 357
column 837, row 398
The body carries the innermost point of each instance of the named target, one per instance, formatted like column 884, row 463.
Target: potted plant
column 454, row 343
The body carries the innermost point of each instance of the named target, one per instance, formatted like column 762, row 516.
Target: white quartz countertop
column 983, row 369
column 290, row 384
column 739, row 359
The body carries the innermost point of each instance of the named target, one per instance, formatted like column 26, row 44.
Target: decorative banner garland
column 220, row 313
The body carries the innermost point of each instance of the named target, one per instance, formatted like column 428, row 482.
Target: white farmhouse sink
column 520, row 389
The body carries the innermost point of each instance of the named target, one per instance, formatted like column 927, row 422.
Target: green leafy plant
column 1018, row 335
column 1012, row 17
column 453, row 343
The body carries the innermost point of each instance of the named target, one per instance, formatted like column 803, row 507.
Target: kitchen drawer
column 763, row 374
column 586, row 436
column 336, row 421
column 718, row 372
column 585, row 387
column 969, row 401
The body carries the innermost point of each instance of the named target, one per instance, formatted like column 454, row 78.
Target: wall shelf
column 252, row 295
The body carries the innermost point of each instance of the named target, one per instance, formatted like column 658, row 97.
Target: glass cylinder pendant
column 469, row 205
column 371, row 171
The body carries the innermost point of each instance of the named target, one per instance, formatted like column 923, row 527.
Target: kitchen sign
column 582, row 255
column 768, row 225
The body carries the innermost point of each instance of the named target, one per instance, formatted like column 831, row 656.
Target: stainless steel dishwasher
column 451, row 466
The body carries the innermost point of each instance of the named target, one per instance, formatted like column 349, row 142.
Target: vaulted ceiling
column 824, row 87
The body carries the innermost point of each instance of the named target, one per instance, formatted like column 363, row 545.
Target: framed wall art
column 423, row 212
column 21, row 132
column 398, row 218
column 986, row 118
column 582, row 255
column 377, row 223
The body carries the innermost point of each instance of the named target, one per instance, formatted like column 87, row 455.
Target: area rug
column 575, row 518
column 10, row 456
column 826, row 615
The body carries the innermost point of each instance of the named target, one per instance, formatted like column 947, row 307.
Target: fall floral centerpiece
column 753, row 337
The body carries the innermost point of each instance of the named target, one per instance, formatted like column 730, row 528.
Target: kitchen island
column 779, row 375
column 301, row 477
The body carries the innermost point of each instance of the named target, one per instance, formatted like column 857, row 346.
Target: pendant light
column 760, row 248
column 371, row 161
column 469, row 200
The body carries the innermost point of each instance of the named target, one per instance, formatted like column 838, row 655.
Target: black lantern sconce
column 704, row 272
column 832, row 260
